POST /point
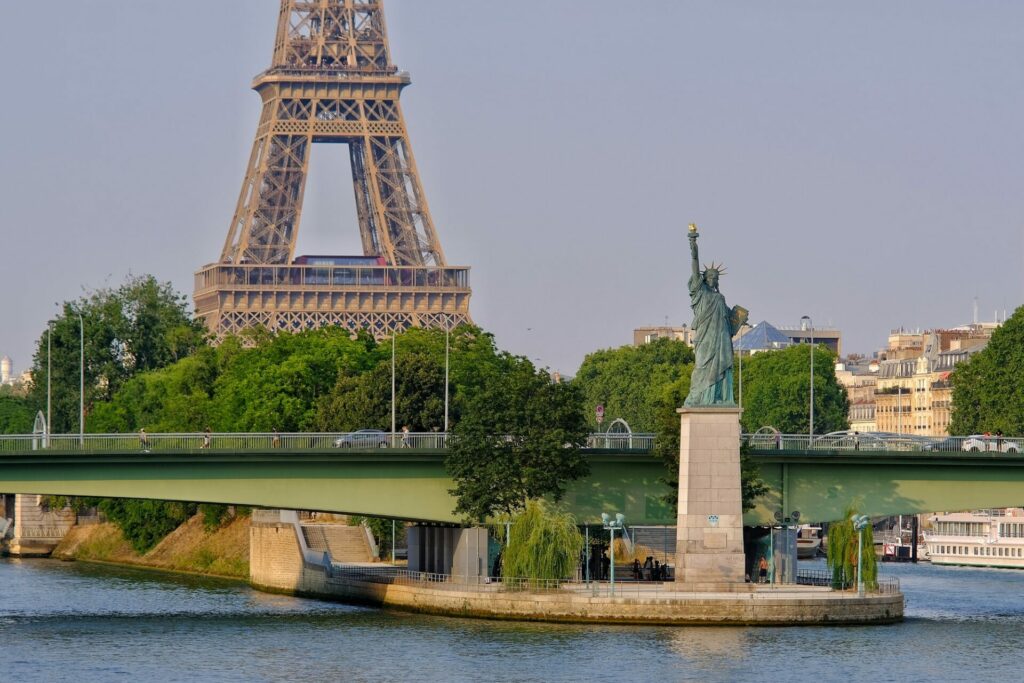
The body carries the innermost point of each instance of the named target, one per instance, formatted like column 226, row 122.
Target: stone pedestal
column 709, row 532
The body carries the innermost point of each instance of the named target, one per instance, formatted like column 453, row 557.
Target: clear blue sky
column 859, row 163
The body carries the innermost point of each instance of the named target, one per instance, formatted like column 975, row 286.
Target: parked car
column 364, row 438
column 952, row 443
column 983, row 442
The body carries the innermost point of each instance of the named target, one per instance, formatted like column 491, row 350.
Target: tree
column 519, row 437
column 776, row 390
column 144, row 523
column 16, row 413
column 357, row 402
column 278, row 383
column 629, row 381
column 544, row 543
column 140, row 326
column 988, row 388
column 842, row 552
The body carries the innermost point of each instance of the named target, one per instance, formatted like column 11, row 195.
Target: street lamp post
column 447, row 334
column 612, row 525
column 49, row 353
column 810, row 326
column 394, row 333
column 859, row 522
column 81, row 381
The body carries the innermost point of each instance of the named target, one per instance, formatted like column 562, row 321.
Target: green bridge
column 386, row 479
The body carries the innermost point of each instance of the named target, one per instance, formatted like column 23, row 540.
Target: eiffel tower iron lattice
column 332, row 81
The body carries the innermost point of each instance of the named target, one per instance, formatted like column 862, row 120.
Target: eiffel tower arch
column 332, row 81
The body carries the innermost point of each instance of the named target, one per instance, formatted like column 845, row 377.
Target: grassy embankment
column 189, row 548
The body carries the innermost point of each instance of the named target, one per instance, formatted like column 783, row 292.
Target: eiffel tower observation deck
column 332, row 81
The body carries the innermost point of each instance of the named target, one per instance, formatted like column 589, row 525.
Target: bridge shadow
column 822, row 492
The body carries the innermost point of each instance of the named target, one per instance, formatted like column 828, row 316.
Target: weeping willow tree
column 543, row 543
column 842, row 553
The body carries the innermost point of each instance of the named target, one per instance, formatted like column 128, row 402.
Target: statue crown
column 714, row 268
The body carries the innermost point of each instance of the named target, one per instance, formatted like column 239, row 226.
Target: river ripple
column 78, row 622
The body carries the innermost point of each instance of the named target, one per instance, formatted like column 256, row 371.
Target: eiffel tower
column 332, row 81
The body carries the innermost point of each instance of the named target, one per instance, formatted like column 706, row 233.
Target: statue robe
column 711, row 382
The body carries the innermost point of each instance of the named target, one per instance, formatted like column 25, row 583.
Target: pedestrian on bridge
column 143, row 439
column 206, row 438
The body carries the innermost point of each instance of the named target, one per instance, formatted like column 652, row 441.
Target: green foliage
column 519, row 437
column 276, row 384
column 544, row 543
column 363, row 400
column 988, row 388
column 16, row 414
column 145, row 523
column 842, row 552
column 630, row 381
column 140, row 326
column 214, row 515
column 776, row 387
column 314, row 380
column 172, row 399
column 381, row 530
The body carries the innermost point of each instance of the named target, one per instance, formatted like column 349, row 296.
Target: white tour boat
column 808, row 541
column 987, row 538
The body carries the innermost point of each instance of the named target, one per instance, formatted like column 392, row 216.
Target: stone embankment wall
column 280, row 563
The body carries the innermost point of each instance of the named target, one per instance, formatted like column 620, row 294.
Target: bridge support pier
column 709, row 530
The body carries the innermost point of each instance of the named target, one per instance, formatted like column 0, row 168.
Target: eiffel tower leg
column 267, row 216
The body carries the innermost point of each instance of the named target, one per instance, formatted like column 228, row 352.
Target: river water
column 79, row 622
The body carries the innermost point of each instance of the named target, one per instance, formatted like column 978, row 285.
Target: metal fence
column 759, row 442
column 621, row 587
column 885, row 585
column 875, row 441
column 230, row 441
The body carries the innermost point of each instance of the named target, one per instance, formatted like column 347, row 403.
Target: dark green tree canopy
column 519, row 437
column 629, row 381
column 141, row 325
column 988, row 388
column 776, row 391
column 16, row 412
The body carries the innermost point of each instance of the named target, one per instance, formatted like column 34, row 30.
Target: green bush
column 544, row 543
column 842, row 553
column 145, row 523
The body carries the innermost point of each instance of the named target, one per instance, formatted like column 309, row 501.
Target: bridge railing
column 875, row 441
column 260, row 441
column 619, row 441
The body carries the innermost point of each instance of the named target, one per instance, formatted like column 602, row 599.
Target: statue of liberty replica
column 714, row 325
column 709, row 522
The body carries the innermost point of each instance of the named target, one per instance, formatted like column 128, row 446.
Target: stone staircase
column 344, row 543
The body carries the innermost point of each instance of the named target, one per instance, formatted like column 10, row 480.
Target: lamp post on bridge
column 394, row 334
column 806, row 320
column 81, row 380
column 49, row 365
column 447, row 335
